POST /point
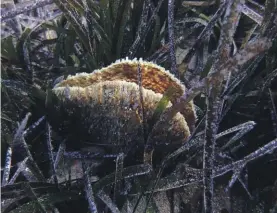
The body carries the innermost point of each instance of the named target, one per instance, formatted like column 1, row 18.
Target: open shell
column 106, row 104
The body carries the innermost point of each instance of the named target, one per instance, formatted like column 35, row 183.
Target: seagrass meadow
column 139, row 106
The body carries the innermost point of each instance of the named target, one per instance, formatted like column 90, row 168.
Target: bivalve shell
column 104, row 107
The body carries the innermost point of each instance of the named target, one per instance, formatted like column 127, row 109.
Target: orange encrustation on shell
column 107, row 103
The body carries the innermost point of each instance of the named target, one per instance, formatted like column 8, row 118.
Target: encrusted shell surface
column 107, row 103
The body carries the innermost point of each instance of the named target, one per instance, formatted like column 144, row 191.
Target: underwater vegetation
column 139, row 106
